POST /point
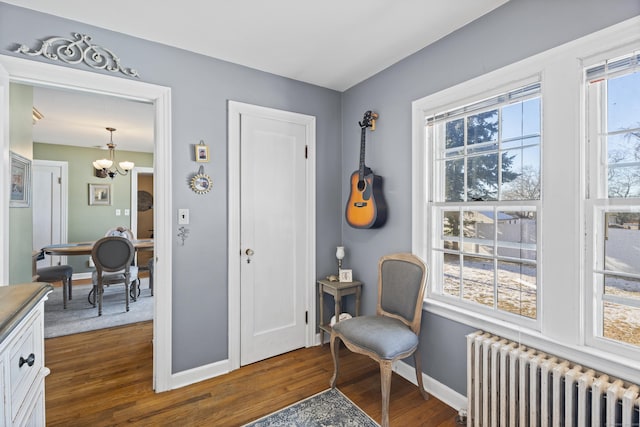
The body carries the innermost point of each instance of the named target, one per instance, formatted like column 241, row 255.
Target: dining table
column 84, row 248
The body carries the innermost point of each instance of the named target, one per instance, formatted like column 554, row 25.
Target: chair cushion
column 54, row 273
column 385, row 336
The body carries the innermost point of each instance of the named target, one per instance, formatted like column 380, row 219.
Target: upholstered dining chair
column 112, row 257
column 122, row 231
column 55, row 273
column 393, row 333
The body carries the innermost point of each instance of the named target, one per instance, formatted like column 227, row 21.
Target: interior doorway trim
column 31, row 72
column 235, row 111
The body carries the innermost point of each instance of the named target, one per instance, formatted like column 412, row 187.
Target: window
column 528, row 218
column 485, row 182
column 613, row 199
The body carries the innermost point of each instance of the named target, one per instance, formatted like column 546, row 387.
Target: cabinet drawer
column 25, row 361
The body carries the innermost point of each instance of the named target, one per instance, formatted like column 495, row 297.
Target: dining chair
column 393, row 333
column 55, row 273
column 112, row 257
column 122, row 231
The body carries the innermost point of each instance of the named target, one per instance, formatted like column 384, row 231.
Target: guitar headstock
column 369, row 120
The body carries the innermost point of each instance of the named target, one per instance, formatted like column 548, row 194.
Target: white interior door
column 273, row 236
column 49, row 207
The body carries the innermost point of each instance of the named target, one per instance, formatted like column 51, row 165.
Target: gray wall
column 201, row 87
column 518, row 29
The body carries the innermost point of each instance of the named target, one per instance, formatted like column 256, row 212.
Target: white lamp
column 340, row 256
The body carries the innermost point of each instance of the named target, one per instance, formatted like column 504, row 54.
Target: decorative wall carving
column 79, row 50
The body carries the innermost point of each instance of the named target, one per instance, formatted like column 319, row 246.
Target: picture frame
column 20, row 192
column 202, row 153
column 345, row 275
column 100, row 194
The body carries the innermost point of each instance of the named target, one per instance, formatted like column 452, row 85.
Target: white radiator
column 512, row 385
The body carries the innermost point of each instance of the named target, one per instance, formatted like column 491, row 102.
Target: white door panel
column 273, row 228
column 49, row 207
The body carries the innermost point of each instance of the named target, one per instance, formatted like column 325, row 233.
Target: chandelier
column 106, row 167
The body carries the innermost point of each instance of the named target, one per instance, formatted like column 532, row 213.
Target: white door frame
column 30, row 72
column 64, row 198
column 235, row 111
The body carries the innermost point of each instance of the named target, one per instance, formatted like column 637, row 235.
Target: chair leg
column 335, row 349
column 70, row 282
column 385, row 387
column 417, row 362
column 99, row 292
column 127, row 289
column 65, row 291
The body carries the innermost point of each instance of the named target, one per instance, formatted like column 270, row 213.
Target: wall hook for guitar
column 366, row 207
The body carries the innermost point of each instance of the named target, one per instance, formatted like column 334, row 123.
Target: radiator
column 512, row 385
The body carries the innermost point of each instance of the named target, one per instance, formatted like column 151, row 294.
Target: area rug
column 329, row 408
column 82, row 316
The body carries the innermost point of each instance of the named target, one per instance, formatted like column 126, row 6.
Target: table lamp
column 339, row 256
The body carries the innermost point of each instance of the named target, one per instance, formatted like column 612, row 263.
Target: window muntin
column 613, row 103
column 486, row 159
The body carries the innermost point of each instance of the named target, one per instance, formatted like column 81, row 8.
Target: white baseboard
column 201, row 373
column 80, row 276
column 434, row 387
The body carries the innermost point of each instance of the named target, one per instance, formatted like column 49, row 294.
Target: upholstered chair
column 393, row 333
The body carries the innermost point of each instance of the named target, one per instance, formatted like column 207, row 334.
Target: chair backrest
column 402, row 279
column 120, row 232
column 112, row 254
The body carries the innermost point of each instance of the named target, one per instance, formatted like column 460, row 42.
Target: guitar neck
column 362, row 148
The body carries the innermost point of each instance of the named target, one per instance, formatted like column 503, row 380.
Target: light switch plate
column 183, row 216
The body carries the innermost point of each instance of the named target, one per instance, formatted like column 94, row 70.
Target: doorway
column 271, row 232
column 36, row 73
column 49, row 207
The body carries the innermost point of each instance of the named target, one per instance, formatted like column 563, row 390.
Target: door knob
column 249, row 252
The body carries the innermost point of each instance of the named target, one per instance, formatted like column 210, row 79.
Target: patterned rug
column 81, row 316
column 329, row 408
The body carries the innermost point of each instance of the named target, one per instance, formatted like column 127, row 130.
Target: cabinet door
column 3, row 393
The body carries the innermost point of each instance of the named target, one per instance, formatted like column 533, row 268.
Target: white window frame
column 596, row 203
column 437, row 204
column 561, row 327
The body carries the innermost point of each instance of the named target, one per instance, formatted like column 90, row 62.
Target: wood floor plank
column 94, row 382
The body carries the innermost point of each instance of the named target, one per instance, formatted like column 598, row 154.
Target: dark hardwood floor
column 104, row 378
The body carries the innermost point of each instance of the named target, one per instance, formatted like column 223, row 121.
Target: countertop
column 16, row 301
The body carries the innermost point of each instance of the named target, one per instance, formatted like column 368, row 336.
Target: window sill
column 611, row 364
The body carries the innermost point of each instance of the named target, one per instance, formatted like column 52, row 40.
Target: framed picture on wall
column 20, row 182
column 202, row 153
column 100, row 194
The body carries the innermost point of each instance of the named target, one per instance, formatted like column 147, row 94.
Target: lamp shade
column 102, row 164
column 127, row 166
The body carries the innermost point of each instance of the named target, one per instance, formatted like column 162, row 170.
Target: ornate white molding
column 79, row 50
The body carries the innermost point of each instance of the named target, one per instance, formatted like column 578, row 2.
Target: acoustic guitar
column 366, row 207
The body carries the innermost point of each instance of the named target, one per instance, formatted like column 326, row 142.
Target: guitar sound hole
column 362, row 185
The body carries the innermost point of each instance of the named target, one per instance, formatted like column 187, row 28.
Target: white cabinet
column 22, row 370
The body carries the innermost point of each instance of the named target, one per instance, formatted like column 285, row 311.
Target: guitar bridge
column 360, row 204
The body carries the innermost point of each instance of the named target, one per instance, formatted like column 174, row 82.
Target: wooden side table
column 338, row 290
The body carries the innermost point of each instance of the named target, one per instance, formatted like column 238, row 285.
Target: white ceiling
column 332, row 43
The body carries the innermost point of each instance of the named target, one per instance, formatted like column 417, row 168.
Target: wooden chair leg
column 70, row 283
column 385, row 383
column 335, row 349
column 417, row 361
column 65, row 290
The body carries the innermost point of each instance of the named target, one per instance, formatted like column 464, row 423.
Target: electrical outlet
column 183, row 216
column 126, row 212
column 118, row 212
